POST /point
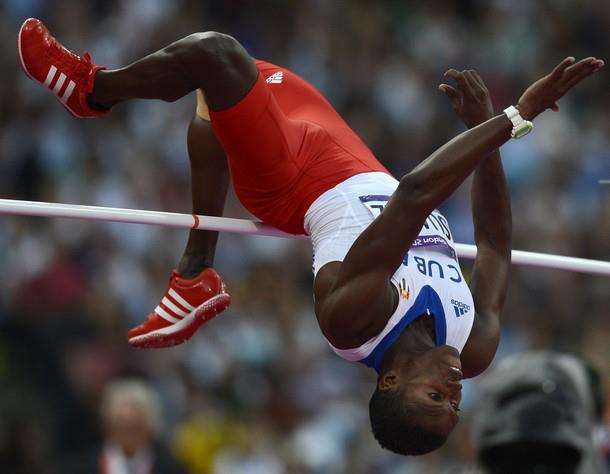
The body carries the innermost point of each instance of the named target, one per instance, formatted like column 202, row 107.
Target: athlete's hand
column 470, row 98
column 544, row 93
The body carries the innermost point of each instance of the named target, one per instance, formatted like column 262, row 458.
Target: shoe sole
column 182, row 331
column 65, row 106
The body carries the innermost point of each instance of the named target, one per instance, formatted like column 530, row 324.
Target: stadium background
column 258, row 390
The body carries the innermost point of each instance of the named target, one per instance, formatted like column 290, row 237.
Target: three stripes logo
column 460, row 308
column 59, row 83
column 276, row 78
column 173, row 307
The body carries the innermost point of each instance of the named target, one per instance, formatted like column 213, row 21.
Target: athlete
column 388, row 287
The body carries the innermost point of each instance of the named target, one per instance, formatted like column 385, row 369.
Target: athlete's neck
column 416, row 338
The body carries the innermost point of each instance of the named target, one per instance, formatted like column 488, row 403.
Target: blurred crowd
column 258, row 390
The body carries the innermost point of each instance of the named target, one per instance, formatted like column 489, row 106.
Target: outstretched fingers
column 585, row 63
column 570, row 72
column 545, row 92
column 477, row 78
column 562, row 66
column 581, row 70
column 476, row 84
column 458, row 77
column 450, row 91
column 454, row 93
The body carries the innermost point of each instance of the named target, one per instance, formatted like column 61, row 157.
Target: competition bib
column 434, row 233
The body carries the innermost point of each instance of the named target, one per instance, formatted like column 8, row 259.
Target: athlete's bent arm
column 361, row 293
column 492, row 229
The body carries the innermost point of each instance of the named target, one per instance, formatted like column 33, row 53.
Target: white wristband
column 521, row 127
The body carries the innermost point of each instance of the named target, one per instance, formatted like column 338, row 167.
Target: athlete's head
column 414, row 407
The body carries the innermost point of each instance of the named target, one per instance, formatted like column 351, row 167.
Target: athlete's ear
column 387, row 381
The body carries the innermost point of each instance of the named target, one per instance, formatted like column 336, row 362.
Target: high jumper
column 388, row 287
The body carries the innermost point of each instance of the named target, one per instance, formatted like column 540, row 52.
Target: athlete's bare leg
column 221, row 67
column 218, row 65
column 213, row 62
column 210, row 180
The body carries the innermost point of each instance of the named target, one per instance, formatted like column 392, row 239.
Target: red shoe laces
column 77, row 65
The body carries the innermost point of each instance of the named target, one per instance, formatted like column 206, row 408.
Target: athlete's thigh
column 263, row 145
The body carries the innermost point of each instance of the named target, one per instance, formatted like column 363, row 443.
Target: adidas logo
column 173, row 307
column 460, row 308
column 59, row 84
column 276, row 78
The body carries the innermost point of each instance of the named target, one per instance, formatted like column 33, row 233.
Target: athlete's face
column 431, row 382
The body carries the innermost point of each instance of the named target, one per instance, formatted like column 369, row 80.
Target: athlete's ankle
column 189, row 269
column 95, row 105
column 93, row 99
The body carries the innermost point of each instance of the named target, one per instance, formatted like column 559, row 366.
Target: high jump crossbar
column 243, row 226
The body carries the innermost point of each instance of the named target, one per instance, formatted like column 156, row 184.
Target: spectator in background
column 131, row 420
column 538, row 414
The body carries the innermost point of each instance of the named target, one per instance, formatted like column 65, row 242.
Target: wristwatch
column 521, row 127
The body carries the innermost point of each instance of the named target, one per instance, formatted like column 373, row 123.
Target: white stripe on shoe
column 50, row 76
column 68, row 92
column 180, row 300
column 175, row 309
column 59, row 83
column 161, row 312
column 216, row 304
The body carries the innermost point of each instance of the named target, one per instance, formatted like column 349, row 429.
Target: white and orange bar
column 243, row 226
column 138, row 216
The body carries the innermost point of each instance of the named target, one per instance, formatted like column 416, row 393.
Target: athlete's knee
column 218, row 44
column 211, row 49
column 218, row 65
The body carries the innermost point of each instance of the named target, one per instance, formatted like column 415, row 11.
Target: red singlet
column 286, row 145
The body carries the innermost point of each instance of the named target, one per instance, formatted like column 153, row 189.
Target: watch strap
column 521, row 127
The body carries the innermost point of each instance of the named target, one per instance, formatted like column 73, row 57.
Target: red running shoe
column 186, row 305
column 68, row 76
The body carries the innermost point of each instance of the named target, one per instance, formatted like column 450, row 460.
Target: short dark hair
column 394, row 427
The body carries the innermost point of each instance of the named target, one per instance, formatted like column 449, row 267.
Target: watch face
column 523, row 130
